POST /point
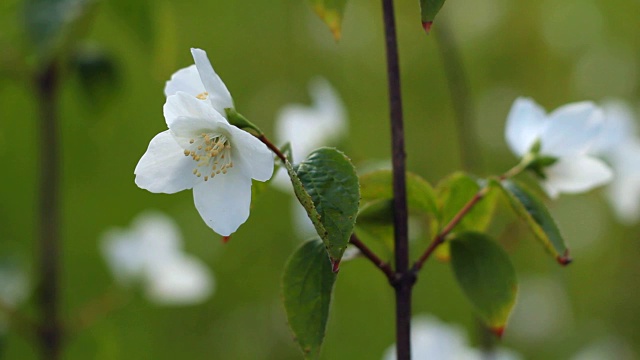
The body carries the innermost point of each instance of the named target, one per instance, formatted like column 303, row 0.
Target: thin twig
column 96, row 310
column 273, row 148
column 369, row 254
column 440, row 238
column 49, row 216
column 405, row 280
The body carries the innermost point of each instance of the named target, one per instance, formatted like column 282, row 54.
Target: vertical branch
column 404, row 281
column 460, row 97
column 50, row 331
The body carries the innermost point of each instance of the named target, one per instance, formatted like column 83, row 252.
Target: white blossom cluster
column 150, row 255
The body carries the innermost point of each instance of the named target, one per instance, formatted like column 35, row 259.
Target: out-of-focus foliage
column 555, row 52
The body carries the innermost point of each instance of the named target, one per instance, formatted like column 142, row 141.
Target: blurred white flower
column 201, row 150
column 307, row 128
column 432, row 339
column 620, row 146
column 543, row 311
column 14, row 288
column 150, row 253
column 566, row 135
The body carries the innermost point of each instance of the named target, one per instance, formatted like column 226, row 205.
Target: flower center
column 212, row 154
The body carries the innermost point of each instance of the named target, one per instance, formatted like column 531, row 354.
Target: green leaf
column 331, row 12
column 536, row 215
column 486, row 276
column 429, row 9
column 305, row 199
column 331, row 182
column 306, row 287
column 375, row 219
column 53, row 25
column 378, row 186
column 453, row 194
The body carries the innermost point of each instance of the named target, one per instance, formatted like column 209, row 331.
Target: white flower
column 567, row 135
column 620, row 146
column 151, row 253
column 432, row 339
column 201, row 150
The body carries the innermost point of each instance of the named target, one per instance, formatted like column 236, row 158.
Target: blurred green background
column 266, row 52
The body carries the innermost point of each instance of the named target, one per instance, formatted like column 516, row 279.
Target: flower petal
column 618, row 129
column 186, row 80
column 525, row 122
column 181, row 281
column 219, row 96
column 184, row 105
column 224, row 201
column 575, row 175
column 251, row 154
column 572, row 129
column 624, row 197
column 164, row 168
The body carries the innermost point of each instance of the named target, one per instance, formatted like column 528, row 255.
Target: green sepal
column 487, row 277
column 236, row 119
column 307, row 285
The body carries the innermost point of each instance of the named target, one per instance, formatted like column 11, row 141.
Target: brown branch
column 440, row 238
column 369, row 254
column 46, row 84
column 273, row 148
column 96, row 310
column 404, row 284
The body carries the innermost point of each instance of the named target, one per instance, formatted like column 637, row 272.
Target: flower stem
column 440, row 238
column 97, row 309
column 273, row 148
column 50, row 334
column 369, row 254
column 405, row 279
column 442, row 235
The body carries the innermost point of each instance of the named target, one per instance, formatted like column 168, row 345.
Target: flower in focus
column 432, row 339
column 620, row 146
column 150, row 253
column 202, row 151
column 563, row 139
